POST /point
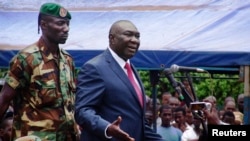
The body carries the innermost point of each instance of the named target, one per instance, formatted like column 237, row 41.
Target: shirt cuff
column 105, row 132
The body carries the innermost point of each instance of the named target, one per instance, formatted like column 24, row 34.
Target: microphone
column 178, row 87
column 170, row 77
column 175, row 68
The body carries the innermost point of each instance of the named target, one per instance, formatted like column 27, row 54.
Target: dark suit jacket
column 104, row 92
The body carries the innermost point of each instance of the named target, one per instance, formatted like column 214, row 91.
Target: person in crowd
column 211, row 99
column 229, row 98
column 148, row 102
column 228, row 117
column 165, row 97
column 110, row 98
column 240, row 103
column 212, row 117
column 166, row 130
column 149, row 117
column 41, row 81
column 238, row 117
column 6, row 126
column 157, row 104
column 239, row 113
column 189, row 117
column 155, row 111
column 174, row 102
column 194, row 133
column 221, row 113
column 6, row 129
column 230, row 106
column 180, row 120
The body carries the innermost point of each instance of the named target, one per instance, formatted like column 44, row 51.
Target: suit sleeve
column 89, row 92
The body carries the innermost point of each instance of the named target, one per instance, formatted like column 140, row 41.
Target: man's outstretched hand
column 115, row 131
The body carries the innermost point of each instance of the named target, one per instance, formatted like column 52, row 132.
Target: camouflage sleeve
column 71, row 64
column 73, row 70
column 17, row 75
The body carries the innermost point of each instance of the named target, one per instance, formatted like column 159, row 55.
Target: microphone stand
column 178, row 87
column 182, row 91
column 191, row 86
column 187, row 98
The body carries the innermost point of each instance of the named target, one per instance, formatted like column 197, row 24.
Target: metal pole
column 246, row 119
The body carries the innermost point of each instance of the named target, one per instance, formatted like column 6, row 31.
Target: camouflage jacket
column 46, row 92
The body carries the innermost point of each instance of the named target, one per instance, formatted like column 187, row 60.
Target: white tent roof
column 188, row 32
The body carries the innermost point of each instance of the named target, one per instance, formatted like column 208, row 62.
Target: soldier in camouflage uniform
column 41, row 82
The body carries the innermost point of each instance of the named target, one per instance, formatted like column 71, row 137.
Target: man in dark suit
column 108, row 106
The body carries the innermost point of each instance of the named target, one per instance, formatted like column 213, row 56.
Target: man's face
column 126, row 40
column 7, row 130
column 166, row 116
column 230, row 106
column 241, row 103
column 173, row 103
column 165, row 98
column 56, row 29
column 179, row 117
column 189, row 118
column 229, row 120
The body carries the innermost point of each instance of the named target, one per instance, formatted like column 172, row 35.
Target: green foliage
column 219, row 85
column 145, row 79
column 3, row 72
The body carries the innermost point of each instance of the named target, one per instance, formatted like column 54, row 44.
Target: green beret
column 53, row 9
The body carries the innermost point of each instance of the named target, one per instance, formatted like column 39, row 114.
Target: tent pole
column 246, row 119
column 154, row 79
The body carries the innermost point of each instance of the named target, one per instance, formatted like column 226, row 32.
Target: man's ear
column 43, row 24
column 111, row 38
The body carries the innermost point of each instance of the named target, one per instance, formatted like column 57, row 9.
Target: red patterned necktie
column 133, row 82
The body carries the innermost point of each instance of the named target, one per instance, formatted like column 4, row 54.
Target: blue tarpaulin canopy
column 204, row 33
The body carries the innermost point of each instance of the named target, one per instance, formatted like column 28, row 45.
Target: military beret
column 56, row 10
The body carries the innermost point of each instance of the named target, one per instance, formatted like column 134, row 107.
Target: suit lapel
column 122, row 75
column 116, row 68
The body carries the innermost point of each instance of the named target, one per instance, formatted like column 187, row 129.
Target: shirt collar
column 118, row 59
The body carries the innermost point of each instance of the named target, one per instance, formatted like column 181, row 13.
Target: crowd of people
column 178, row 122
column 43, row 98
